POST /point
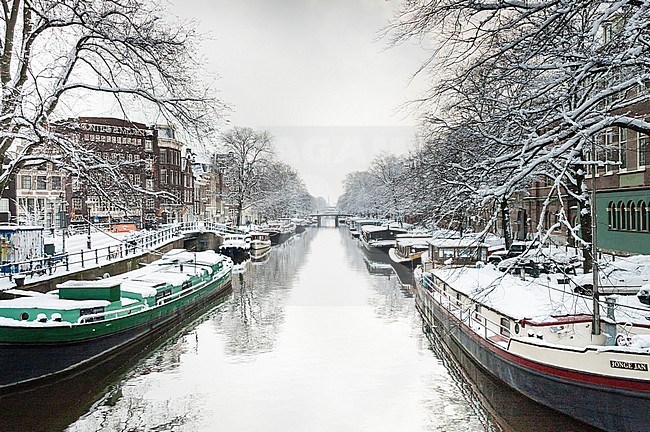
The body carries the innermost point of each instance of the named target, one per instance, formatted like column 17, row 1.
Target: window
column 56, row 182
column 608, row 144
column 622, row 148
column 505, row 327
column 77, row 203
column 163, row 157
column 148, row 146
column 163, row 176
column 25, row 182
column 612, row 215
column 632, row 216
column 622, row 216
column 4, row 204
column 166, row 132
column 41, row 183
column 642, row 147
column 643, row 216
column 607, row 33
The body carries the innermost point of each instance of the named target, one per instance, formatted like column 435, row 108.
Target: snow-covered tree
column 250, row 155
column 359, row 195
column 283, row 193
column 57, row 54
column 536, row 83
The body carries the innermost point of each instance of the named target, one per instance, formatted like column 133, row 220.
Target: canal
column 310, row 340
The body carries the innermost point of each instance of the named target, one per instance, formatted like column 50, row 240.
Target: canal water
column 313, row 339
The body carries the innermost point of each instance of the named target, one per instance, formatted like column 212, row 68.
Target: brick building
column 134, row 149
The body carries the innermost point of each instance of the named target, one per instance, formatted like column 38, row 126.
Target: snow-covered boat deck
column 541, row 299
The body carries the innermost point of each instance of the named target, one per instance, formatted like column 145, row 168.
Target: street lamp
column 88, row 241
column 63, row 217
column 51, row 218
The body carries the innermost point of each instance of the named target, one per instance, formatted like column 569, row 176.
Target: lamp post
column 51, row 219
column 62, row 217
column 88, row 241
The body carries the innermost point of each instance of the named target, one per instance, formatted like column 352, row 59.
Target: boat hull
column 38, row 362
column 274, row 236
column 237, row 254
column 608, row 404
column 378, row 252
column 284, row 236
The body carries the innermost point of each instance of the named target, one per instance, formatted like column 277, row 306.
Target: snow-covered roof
column 373, row 228
column 173, row 278
column 412, row 241
column 143, row 288
column 101, row 283
column 51, row 302
column 456, row 243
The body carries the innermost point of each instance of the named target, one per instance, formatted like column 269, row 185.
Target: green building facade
column 624, row 221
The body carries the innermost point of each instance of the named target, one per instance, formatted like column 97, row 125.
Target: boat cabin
column 409, row 247
column 456, row 252
column 380, row 232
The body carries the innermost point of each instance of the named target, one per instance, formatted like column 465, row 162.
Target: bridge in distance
column 330, row 214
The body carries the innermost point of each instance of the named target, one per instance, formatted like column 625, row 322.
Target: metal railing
column 137, row 244
column 468, row 315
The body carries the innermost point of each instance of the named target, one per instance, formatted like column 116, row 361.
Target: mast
column 595, row 324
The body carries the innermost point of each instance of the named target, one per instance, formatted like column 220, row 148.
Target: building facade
column 132, row 149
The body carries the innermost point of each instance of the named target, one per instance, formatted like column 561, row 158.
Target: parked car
column 612, row 280
column 516, row 248
column 546, row 260
column 529, row 265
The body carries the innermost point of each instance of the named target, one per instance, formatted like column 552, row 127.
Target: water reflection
column 256, row 315
column 309, row 341
column 53, row 406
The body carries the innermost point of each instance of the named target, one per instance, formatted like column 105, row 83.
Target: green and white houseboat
column 44, row 335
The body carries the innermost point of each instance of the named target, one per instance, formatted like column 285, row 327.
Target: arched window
column 622, row 216
column 611, row 215
column 643, row 216
column 632, row 216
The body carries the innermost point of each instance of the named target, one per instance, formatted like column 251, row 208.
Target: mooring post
column 336, row 221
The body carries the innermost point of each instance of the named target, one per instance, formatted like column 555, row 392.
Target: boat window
column 187, row 284
column 505, row 327
column 446, row 253
column 92, row 311
column 24, row 316
column 163, row 293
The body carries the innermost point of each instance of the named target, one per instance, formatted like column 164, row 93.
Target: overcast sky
column 312, row 72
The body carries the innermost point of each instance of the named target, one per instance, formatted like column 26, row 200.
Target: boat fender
column 106, row 275
column 56, row 317
column 41, row 317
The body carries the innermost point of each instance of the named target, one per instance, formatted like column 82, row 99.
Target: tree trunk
column 505, row 223
column 239, row 211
